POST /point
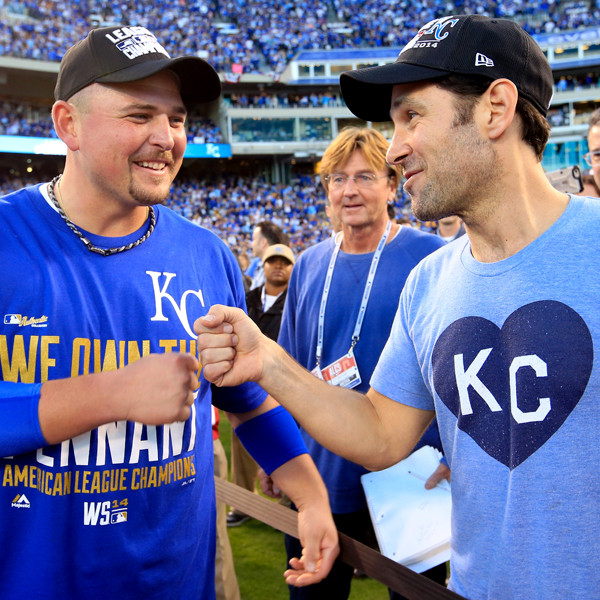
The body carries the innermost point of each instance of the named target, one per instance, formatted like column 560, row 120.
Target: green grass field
column 260, row 556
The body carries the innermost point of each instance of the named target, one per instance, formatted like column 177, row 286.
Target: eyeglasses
column 592, row 158
column 364, row 180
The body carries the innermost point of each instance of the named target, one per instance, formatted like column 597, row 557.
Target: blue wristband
column 272, row 438
column 19, row 422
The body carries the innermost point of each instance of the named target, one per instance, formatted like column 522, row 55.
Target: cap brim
column 368, row 92
column 292, row 262
column 199, row 82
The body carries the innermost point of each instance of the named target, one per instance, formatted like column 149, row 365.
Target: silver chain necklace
column 85, row 241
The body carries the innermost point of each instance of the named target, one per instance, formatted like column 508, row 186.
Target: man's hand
column 442, row 472
column 159, row 388
column 230, row 345
column 267, row 486
column 319, row 539
column 300, row 480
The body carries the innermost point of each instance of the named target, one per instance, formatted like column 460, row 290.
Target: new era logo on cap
column 481, row 60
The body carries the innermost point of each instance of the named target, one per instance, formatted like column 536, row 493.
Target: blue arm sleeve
column 19, row 421
column 272, row 438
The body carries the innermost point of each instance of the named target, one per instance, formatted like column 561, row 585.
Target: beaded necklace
column 84, row 240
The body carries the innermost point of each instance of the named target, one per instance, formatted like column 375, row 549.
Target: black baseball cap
column 463, row 44
column 124, row 54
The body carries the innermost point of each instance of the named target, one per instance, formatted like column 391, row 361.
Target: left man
column 105, row 424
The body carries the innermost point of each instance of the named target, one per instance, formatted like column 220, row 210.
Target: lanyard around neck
column 366, row 293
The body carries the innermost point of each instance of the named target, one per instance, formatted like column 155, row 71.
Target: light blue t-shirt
column 505, row 351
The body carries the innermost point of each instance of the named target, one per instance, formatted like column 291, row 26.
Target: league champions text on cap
column 126, row 54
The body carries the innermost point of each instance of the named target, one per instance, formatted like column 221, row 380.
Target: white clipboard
column 412, row 523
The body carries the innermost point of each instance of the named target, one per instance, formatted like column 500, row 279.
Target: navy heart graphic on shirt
column 512, row 388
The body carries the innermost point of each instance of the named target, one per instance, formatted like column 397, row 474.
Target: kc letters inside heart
column 512, row 388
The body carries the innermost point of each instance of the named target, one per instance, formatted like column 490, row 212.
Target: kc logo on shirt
column 160, row 284
column 511, row 388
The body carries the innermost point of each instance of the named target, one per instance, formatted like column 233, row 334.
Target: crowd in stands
column 25, row 119
column 261, row 36
column 559, row 116
column 569, row 83
column 201, row 130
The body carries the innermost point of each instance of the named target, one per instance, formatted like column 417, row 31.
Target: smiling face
column 131, row 139
column 359, row 207
column 448, row 165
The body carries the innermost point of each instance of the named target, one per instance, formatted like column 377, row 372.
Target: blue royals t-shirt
column 127, row 510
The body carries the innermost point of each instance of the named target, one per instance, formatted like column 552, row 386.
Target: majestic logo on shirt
column 512, row 388
column 20, row 501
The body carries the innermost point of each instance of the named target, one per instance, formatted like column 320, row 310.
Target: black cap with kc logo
column 464, row 44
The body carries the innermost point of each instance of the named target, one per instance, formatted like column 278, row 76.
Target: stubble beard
column 464, row 176
column 148, row 197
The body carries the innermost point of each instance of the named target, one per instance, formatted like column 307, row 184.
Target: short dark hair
column 468, row 89
column 273, row 233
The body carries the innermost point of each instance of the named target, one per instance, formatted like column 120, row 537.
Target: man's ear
column 65, row 118
column 500, row 103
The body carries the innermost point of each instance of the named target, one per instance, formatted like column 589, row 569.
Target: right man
column 494, row 331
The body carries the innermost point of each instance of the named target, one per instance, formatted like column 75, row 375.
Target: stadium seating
column 253, row 36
